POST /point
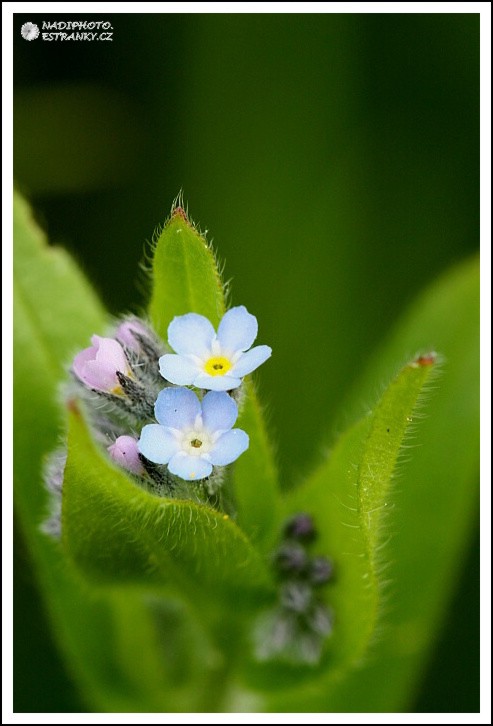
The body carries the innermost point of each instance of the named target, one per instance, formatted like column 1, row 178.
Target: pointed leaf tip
column 185, row 277
column 180, row 212
column 428, row 359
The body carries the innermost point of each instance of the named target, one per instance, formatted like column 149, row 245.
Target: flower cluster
column 138, row 398
column 295, row 630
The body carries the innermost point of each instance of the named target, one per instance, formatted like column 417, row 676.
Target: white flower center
column 196, row 442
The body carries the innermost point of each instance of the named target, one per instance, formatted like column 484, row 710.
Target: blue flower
column 206, row 360
column 192, row 436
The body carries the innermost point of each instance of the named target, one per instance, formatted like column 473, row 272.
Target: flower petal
column 177, row 408
column 228, row 447
column 219, row 411
column 128, row 330
column 178, row 369
column 189, row 467
column 80, row 362
column 100, row 377
column 96, row 367
column 216, row 383
column 157, row 444
column 251, row 359
column 237, row 330
column 191, row 333
column 109, row 353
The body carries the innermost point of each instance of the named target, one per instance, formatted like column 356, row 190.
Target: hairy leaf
column 186, row 279
column 117, row 533
column 99, row 633
column 432, row 506
column 255, row 478
column 346, row 498
column 55, row 311
column 184, row 275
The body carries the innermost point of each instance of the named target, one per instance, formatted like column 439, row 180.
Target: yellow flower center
column 218, row 366
column 196, row 443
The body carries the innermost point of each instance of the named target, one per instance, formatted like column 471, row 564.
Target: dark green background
column 335, row 161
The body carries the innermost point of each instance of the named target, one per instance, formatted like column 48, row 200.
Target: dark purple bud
column 291, row 558
column 320, row 571
column 296, row 596
column 300, row 527
column 320, row 620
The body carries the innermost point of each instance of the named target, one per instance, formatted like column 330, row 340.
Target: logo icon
column 29, row 31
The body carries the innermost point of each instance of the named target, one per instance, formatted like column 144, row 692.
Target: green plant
column 156, row 601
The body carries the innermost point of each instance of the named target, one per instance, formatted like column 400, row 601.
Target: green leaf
column 184, row 275
column 433, row 504
column 390, row 421
column 99, row 633
column 154, row 541
column 255, row 478
column 346, row 497
column 437, row 496
column 186, row 279
column 55, row 312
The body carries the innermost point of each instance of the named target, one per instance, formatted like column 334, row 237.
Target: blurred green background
column 335, row 161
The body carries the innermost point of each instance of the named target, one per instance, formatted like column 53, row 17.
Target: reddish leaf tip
column 426, row 360
column 179, row 212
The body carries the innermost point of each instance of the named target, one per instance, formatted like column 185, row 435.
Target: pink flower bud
column 97, row 366
column 125, row 453
column 125, row 334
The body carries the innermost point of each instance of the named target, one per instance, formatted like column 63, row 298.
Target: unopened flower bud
column 291, row 558
column 300, row 527
column 128, row 334
column 320, row 620
column 296, row 596
column 321, row 570
column 125, row 453
column 97, row 366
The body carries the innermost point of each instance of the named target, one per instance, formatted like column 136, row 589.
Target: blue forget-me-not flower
column 192, row 436
column 204, row 359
